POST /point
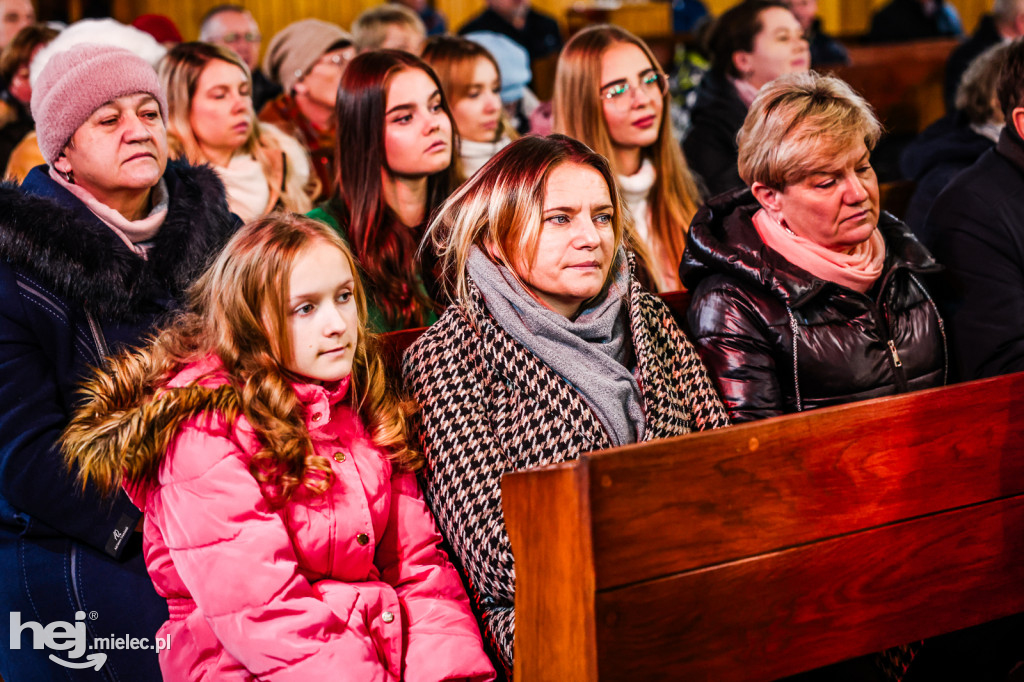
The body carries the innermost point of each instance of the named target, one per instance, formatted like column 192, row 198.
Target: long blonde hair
column 179, row 73
column 577, row 104
column 238, row 312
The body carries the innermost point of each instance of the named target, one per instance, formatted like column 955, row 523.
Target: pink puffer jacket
column 350, row 585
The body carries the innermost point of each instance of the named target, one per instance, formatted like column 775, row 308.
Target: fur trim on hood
column 120, row 433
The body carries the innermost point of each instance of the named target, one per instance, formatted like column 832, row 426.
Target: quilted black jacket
column 777, row 339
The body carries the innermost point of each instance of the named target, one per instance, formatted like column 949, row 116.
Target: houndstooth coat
column 489, row 406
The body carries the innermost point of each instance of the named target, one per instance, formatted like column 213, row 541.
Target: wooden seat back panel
column 786, row 612
column 719, row 496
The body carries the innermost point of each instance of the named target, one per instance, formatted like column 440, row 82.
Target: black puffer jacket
column 748, row 301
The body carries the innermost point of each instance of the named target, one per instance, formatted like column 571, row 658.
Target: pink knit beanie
column 79, row 81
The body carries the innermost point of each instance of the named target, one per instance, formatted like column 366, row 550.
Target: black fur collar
column 49, row 234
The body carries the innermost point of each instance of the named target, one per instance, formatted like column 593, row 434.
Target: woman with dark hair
column 550, row 349
column 95, row 248
column 752, row 44
column 396, row 146
column 15, row 119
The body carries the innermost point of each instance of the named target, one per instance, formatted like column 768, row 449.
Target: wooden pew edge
column 565, row 558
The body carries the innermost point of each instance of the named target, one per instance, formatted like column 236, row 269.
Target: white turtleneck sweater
column 475, row 154
column 635, row 190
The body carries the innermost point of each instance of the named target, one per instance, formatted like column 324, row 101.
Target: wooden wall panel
column 841, row 17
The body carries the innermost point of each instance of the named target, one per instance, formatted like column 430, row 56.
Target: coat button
column 317, row 416
column 339, row 457
column 387, row 616
column 363, row 538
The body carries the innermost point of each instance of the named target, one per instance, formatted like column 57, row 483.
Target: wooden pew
column 766, row 549
column 902, row 81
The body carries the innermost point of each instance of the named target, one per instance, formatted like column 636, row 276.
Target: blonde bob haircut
column 797, row 123
column 579, row 113
column 500, row 208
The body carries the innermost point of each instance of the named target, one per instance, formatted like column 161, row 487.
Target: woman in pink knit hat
column 96, row 247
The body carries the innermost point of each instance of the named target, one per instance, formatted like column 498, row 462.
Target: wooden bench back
column 903, row 81
column 765, row 549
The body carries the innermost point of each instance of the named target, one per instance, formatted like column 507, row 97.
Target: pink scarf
column 745, row 90
column 856, row 270
column 131, row 232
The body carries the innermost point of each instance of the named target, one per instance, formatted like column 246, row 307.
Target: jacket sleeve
column 443, row 640
column 732, row 340
column 236, row 558
column 984, row 254
column 701, row 396
column 463, row 479
column 33, row 412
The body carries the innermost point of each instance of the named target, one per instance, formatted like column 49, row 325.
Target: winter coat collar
column 46, row 231
column 1011, row 147
column 123, row 428
column 723, row 239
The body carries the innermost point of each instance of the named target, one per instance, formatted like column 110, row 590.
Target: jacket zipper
column 895, row 354
column 103, row 351
column 894, row 357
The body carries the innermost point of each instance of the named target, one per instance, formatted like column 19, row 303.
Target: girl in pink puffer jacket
column 283, row 521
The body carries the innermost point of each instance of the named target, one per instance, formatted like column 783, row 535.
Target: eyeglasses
column 338, row 59
column 239, row 37
column 620, row 93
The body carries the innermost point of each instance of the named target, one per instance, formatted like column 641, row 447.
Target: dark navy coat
column 70, row 290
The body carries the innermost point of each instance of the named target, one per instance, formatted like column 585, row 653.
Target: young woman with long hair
column 211, row 120
column 283, row 521
column 472, row 82
column 611, row 94
column 396, row 146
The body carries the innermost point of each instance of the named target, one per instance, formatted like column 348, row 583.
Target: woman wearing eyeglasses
column 611, row 94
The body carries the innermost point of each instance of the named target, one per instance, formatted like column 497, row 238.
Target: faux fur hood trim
column 120, row 433
column 47, row 232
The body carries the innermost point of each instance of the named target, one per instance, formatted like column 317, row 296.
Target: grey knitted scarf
column 590, row 352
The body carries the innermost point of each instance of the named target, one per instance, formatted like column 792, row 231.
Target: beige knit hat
column 295, row 49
